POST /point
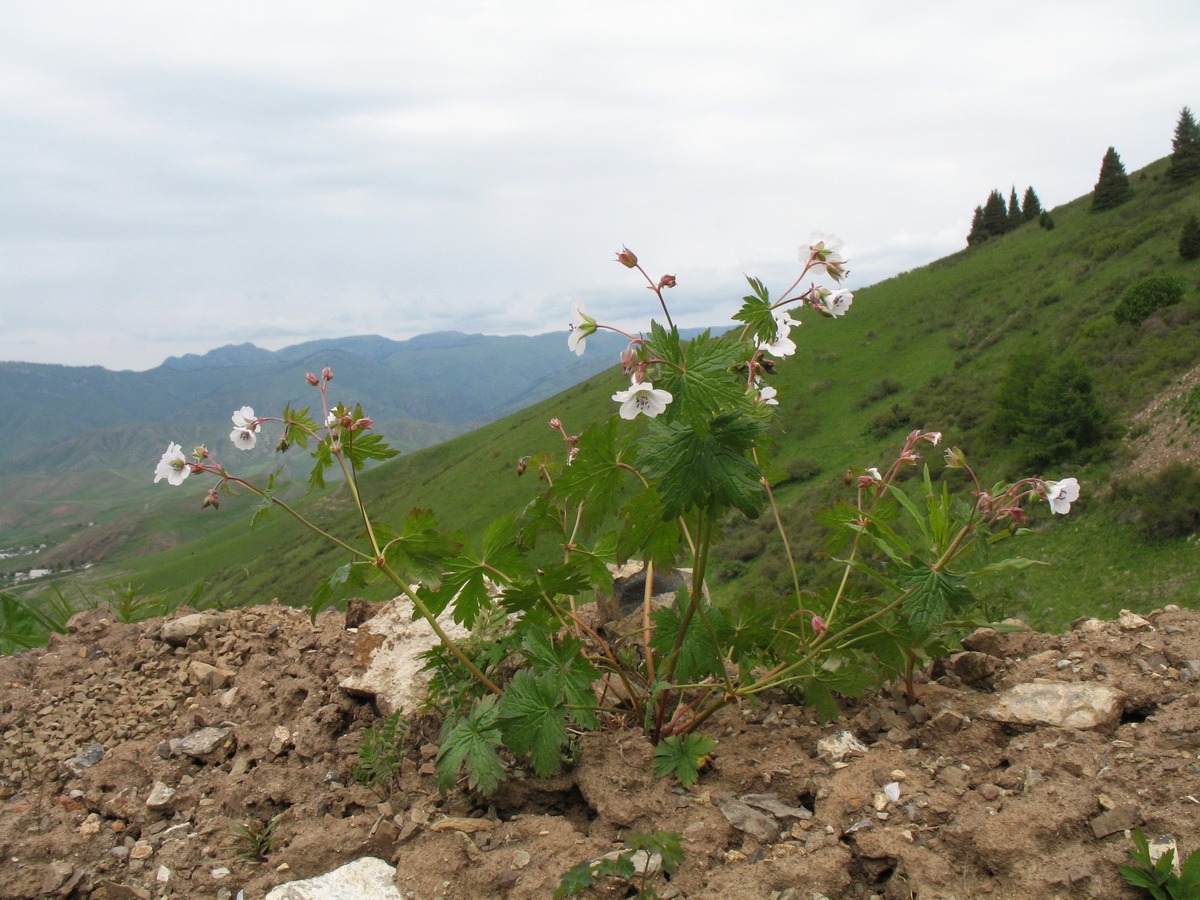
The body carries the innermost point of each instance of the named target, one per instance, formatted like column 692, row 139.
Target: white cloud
column 288, row 171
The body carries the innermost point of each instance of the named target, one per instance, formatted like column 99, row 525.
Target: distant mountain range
column 424, row 389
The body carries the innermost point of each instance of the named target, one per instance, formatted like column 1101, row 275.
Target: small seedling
column 644, row 856
column 380, row 755
column 1157, row 876
column 253, row 838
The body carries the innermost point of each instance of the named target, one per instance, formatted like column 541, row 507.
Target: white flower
column 581, row 326
column 173, row 466
column 822, row 247
column 783, row 346
column 766, row 394
column 642, row 398
column 1061, row 494
column 874, row 473
column 837, row 302
column 243, row 438
column 244, row 418
column 331, row 419
column 245, row 426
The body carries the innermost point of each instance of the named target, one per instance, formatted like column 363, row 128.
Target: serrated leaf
column 563, row 662
column 419, row 550
column 705, row 385
column 758, row 314
column 466, row 576
column 600, row 472
column 533, row 720
column 345, row 580
column 472, row 740
column 704, row 468
column 575, row 880
column 683, row 755
column 1015, row 563
column 699, row 657
column 935, row 596
column 645, row 535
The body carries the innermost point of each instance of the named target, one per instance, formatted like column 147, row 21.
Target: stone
column 209, row 677
column 1119, row 818
column 947, row 721
column 160, row 796
column 88, row 758
column 839, row 746
column 1131, row 621
column 973, row 667
column 367, row 878
column 385, row 663
column 1060, row 704
column 745, row 818
column 202, row 742
column 179, row 631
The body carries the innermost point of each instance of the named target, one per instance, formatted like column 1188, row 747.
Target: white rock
column 1061, row 704
column 1131, row 621
column 364, row 879
column 160, row 795
column 840, row 745
column 385, row 660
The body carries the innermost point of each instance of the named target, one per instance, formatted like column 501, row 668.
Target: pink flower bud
column 327, row 373
column 362, row 424
column 667, row 281
column 212, row 499
column 626, row 258
column 556, row 424
column 311, row 379
column 522, row 465
column 819, row 625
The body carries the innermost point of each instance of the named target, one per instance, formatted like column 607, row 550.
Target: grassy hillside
column 924, row 349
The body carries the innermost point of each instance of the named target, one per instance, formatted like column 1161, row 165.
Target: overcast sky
column 175, row 177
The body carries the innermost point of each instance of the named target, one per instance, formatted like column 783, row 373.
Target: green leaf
column 935, row 596
column 699, row 657
column 472, row 739
column 645, row 535
column 533, row 720
column 419, row 550
column 547, row 585
column 298, row 426
column 466, row 576
column 683, row 756
column 666, row 844
column 575, row 880
column 600, row 472
column 566, row 666
column 758, row 313
column 361, row 446
column 705, row 468
column 345, row 580
column 1016, row 563
column 705, row 384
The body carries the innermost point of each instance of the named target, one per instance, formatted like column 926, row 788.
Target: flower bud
column 556, row 424
column 955, row 459
column 200, row 452
column 819, row 625
column 212, row 499
column 626, row 258
column 327, row 374
column 362, row 424
column 522, row 465
column 667, row 281
column 311, row 379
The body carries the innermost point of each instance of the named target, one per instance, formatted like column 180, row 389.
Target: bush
column 1164, row 507
column 1144, row 297
column 1189, row 239
column 884, row 388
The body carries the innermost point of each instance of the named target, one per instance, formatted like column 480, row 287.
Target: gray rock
column 203, row 742
column 745, row 818
column 1061, row 704
column 89, row 757
column 367, row 878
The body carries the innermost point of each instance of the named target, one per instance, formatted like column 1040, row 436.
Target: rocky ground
column 131, row 751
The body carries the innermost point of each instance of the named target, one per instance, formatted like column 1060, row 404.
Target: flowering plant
column 652, row 482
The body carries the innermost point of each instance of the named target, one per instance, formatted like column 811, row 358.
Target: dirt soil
column 940, row 802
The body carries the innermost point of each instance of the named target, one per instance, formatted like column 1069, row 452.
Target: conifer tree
column 975, row 236
column 1185, row 149
column 1031, row 207
column 1112, row 188
column 1014, row 210
column 1189, row 239
column 995, row 216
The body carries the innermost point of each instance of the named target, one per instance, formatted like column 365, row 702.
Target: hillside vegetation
column 933, row 348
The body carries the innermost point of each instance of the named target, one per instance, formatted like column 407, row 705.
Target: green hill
column 929, row 348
